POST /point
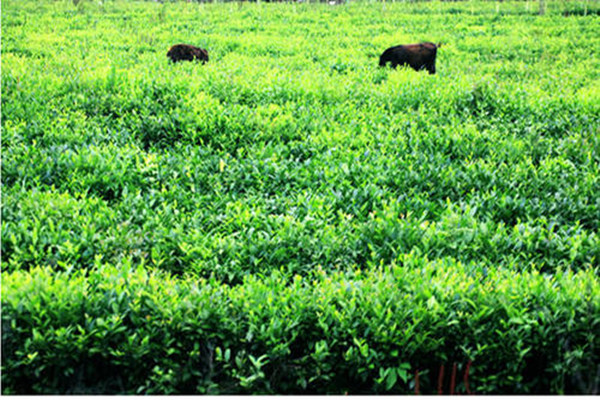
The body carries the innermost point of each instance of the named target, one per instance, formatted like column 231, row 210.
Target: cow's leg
column 431, row 68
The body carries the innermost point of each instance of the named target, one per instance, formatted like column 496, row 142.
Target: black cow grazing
column 187, row 52
column 418, row 56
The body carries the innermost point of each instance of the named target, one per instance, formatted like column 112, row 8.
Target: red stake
column 441, row 379
column 466, row 377
column 453, row 380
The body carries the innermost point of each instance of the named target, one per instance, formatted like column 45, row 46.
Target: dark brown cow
column 187, row 52
column 418, row 56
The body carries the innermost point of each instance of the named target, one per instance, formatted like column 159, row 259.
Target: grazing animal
column 418, row 56
column 187, row 52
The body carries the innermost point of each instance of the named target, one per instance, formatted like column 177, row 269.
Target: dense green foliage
column 124, row 330
column 291, row 218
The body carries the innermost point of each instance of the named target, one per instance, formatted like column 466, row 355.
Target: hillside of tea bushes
column 291, row 218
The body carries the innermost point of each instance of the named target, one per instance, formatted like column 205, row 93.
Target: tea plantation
column 290, row 217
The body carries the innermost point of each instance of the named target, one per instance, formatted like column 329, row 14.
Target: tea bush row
column 236, row 238
column 129, row 329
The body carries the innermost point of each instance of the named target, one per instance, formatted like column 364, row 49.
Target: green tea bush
column 289, row 217
column 132, row 330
